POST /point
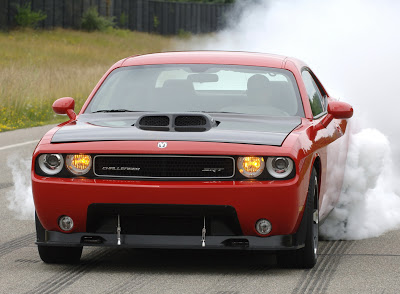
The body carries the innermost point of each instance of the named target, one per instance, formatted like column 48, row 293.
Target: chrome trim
column 176, row 156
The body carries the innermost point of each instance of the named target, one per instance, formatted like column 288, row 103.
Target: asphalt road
column 366, row 266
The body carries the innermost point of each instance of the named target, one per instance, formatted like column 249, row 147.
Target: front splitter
column 282, row 242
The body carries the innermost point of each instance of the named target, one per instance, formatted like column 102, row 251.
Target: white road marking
column 17, row 145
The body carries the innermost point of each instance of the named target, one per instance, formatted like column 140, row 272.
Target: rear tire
column 55, row 254
column 306, row 257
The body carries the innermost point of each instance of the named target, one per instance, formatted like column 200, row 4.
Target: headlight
column 78, row 164
column 251, row 166
column 51, row 164
column 279, row 167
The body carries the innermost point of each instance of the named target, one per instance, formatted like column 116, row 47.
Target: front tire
column 55, row 254
column 306, row 257
column 60, row 254
column 308, row 254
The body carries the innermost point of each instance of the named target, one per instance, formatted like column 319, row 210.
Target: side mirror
column 66, row 106
column 337, row 110
column 340, row 110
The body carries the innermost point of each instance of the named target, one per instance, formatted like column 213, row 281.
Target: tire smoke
column 20, row 199
column 368, row 204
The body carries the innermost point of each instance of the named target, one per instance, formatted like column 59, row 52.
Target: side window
column 317, row 102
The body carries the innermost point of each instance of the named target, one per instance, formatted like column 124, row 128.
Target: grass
column 38, row 67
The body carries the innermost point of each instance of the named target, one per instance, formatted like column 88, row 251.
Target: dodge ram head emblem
column 162, row 144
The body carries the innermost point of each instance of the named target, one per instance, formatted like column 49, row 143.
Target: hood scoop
column 176, row 122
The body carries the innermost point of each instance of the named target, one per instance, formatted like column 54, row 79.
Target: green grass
column 38, row 67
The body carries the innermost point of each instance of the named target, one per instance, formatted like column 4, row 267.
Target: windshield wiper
column 117, row 110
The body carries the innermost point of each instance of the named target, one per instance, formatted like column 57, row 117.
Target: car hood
column 231, row 128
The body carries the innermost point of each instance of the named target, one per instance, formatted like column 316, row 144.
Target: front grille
column 158, row 166
column 163, row 219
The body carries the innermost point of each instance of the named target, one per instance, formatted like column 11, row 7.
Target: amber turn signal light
column 251, row 166
column 78, row 164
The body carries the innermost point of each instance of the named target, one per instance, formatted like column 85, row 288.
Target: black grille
column 164, row 166
column 159, row 121
column 190, row 121
column 163, row 219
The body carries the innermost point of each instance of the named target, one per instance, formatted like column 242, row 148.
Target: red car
column 207, row 150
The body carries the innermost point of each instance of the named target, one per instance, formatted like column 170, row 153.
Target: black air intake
column 172, row 122
column 154, row 123
column 161, row 121
column 194, row 120
column 165, row 219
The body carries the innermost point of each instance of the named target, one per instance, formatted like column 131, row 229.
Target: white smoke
column 368, row 205
column 353, row 47
column 20, row 199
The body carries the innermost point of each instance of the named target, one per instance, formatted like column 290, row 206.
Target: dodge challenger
column 193, row 150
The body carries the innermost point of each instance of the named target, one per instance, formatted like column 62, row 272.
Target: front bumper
column 281, row 202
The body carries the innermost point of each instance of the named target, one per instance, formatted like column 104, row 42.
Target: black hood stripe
column 266, row 131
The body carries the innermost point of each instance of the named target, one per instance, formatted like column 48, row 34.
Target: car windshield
column 209, row 88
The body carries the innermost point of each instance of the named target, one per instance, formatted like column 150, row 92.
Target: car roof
column 211, row 57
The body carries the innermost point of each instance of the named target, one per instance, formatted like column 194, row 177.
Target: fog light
column 65, row 223
column 263, row 226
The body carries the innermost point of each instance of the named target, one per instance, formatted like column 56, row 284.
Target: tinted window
column 314, row 95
